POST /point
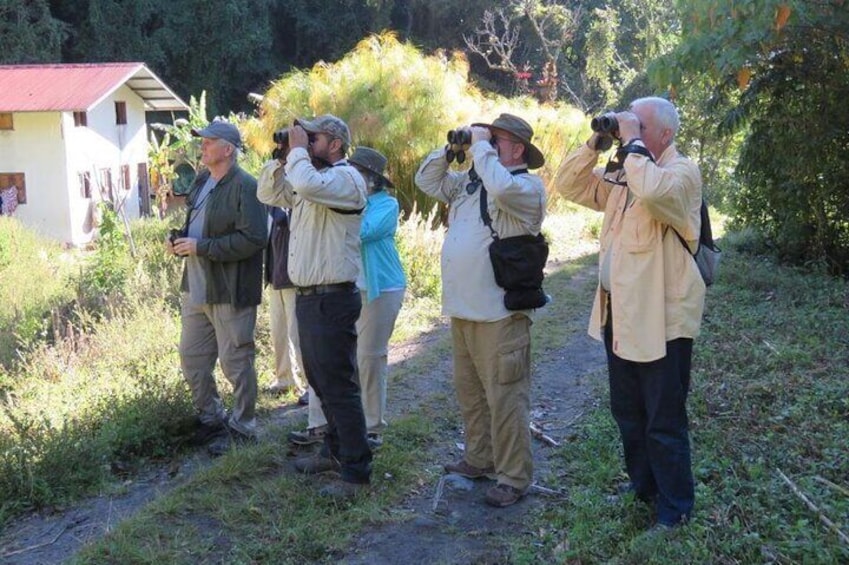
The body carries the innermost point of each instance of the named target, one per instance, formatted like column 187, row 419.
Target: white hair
column 664, row 112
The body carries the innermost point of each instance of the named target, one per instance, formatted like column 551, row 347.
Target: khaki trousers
column 492, row 362
column 225, row 333
column 288, row 366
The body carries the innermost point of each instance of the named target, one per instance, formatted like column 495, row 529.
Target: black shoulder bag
column 518, row 263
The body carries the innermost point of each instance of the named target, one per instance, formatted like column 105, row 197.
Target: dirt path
column 460, row 528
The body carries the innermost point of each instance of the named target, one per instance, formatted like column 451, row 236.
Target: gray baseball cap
column 329, row 124
column 220, row 129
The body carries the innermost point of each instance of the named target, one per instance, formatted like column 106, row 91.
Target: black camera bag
column 518, row 264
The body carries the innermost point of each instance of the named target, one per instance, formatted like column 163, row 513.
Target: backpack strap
column 487, row 220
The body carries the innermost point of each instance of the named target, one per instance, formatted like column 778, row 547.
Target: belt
column 325, row 288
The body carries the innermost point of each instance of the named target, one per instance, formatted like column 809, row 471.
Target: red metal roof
column 66, row 88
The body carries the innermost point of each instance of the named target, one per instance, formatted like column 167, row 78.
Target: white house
column 73, row 135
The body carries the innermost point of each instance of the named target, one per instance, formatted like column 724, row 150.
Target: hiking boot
column 304, row 399
column 223, row 443
column 317, row 463
column 308, row 436
column 469, row 471
column 374, row 440
column 342, row 490
column 204, row 433
column 502, row 495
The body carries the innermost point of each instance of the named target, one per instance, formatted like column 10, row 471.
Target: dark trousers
column 648, row 402
column 326, row 327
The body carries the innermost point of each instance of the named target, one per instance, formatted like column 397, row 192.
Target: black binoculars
column 605, row 124
column 175, row 234
column 281, row 139
column 458, row 141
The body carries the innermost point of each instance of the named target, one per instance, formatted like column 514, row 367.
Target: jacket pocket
column 640, row 232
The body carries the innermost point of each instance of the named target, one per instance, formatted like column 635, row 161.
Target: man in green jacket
column 223, row 239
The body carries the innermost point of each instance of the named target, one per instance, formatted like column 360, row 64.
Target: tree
column 502, row 44
column 782, row 71
column 29, row 33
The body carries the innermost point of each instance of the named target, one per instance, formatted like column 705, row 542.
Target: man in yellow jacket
column 649, row 302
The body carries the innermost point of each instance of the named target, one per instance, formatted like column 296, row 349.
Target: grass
column 769, row 393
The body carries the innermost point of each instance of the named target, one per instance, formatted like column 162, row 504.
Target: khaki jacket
column 326, row 204
column 516, row 204
column 656, row 290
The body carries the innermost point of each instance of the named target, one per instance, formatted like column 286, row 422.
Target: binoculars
column 605, row 124
column 175, row 234
column 459, row 141
column 281, row 140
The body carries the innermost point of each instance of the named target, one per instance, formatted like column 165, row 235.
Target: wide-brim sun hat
column 522, row 130
column 372, row 160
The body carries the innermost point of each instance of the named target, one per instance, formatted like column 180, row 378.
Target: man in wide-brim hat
column 516, row 130
column 491, row 343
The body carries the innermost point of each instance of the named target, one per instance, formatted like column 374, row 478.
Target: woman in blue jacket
column 382, row 284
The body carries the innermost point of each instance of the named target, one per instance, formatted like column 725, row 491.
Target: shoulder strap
column 487, row 220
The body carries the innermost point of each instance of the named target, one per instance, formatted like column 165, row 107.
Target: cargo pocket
column 514, row 355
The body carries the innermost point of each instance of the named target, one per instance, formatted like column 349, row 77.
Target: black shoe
column 204, row 433
column 222, row 444
column 304, row 399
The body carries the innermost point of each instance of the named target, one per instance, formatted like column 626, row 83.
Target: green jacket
column 234, row 234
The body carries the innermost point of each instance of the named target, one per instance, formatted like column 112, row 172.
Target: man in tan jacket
column 491, row 344
column 649, row 302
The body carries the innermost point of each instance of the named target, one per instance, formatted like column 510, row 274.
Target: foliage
column 401, row 102
column 174, row 160
column 782, row 71
column 29, row 33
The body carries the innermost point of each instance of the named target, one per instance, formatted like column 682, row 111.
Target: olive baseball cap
column 329, row 124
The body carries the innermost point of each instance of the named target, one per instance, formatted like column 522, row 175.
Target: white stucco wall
column 104, row 144
column 35, row 147
column 52, row 152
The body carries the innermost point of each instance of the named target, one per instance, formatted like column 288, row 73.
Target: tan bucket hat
column 521, row 129
column 371, row 160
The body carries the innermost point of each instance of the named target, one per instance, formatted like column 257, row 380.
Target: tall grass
column 106, row 393
column 402, row 102
column 33, row 271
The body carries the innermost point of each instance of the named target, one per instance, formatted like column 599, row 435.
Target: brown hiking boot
column 502, row 495
column 317, row 463
column 308, row 436
column 469, row 471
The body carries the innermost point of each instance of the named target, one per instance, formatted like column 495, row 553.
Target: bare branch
column 495, row 41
